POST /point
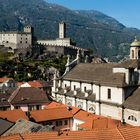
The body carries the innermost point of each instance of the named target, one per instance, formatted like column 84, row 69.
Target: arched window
column 79, row 106
column 91, row 109
column 69, row 104
column 132, row 53
column 132, row 118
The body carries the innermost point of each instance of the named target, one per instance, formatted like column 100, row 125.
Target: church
column 106, row 89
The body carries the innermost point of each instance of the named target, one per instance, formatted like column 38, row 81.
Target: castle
column 110, row 90
column 14, row 40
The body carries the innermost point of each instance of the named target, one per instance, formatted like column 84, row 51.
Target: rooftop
column 29, row 95
column 13, row 115
column 131, row 133
column 96, row 73
column 51, row 114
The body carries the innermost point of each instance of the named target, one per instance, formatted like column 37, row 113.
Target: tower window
column 109, row 93
column 132, row 53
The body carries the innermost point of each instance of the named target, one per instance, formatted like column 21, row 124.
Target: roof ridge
column 13, row 95
column 120, row 133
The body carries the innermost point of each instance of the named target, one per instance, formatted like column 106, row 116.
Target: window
column 74, row 87
column 58, row 123
column 109, row 93
column 79, row 106
column 85, row 89
column 132, row 53
column 20, row 41
column 66, row 122
column 65, row 85
column 91, row 109
column 132, row 118
column 26, row 42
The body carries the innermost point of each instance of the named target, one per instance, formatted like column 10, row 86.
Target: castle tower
column 62, row 27
column 28, row 29
column 135, row 49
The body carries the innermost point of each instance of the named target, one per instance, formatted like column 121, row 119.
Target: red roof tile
column 13, row 115
column 84, row 116
column 35, row 84
column 3, row 79
column 51, row 114
column 55, row 105
column 99, row 134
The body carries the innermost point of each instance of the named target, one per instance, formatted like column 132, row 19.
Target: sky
column 126, row 12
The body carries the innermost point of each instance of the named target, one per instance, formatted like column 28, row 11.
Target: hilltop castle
column 16, row 39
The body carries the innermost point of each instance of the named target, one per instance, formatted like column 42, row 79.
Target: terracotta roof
column 19, row 83
column 29, row 95
column 133, row 101
column 84, row 116
column 3, row 79
column 99, row 134
column 35, row 84
column 13, row 115
column 55, row 105
column 100, row 123
column 96, row 73
column 51, row 114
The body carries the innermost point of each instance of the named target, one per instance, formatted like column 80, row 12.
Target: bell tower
column 135, row 49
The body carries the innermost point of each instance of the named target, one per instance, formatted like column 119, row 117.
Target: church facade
column 106, row 89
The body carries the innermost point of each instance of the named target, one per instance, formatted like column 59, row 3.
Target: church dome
column 135, row 43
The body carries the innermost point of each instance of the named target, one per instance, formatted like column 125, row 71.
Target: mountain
column 89, row 29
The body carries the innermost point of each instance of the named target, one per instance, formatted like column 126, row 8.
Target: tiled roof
column 99, row 134
column 24, row 126
column 129, row 64
column 5, row 125
column 72, row 109
column 4, row 79
column 133, row 101
column 19, row 83
column 29, row 95
column 84, row 116
column 35, row 84
column 55, row 105
column 4, row 99
column 13, row 115
column 96, row 73
column 100, row 123
column 51, row 114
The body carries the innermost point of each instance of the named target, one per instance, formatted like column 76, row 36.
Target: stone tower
column 28, row 29
column 62, row 27
column 135, row 49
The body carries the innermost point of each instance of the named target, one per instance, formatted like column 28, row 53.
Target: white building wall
column 96, row 91
column 76, row 123
column 113, row 112
column 88, row 86
column 117, row 95
column 91, row 105
column 77, row 84
column 136, row 114
column 65, row 83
